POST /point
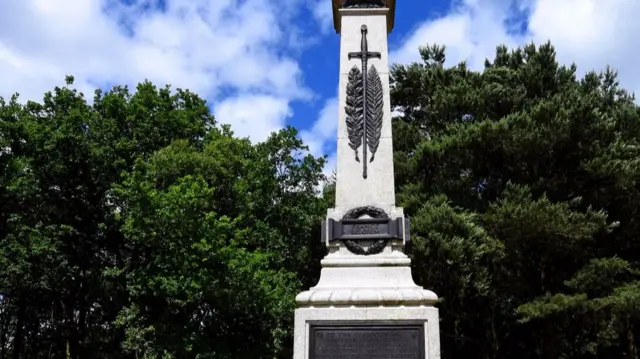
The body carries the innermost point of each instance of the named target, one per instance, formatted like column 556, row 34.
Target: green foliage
column 205, row 270
column 135, row 227
column 543, row 167
column 454, row 254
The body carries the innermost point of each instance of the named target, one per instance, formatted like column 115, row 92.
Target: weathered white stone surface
column 381, row 279
column 372, row 296
column 352, row 190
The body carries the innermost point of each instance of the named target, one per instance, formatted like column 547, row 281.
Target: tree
column 209, row 233
column 522, row 180
column 135, row 226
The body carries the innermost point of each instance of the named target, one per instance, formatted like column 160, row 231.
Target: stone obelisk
column 366, row 304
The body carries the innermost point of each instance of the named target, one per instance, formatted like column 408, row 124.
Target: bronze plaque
column 366, row 342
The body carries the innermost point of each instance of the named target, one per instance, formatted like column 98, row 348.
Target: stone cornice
column 391, row 13
column 363, row 297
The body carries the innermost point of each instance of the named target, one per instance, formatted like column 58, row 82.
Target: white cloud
column 470, row 31
column 209, row 46
column 591, row 33
column 324, row 128
column 255, row 115
column 323, row 134
column 323, row 12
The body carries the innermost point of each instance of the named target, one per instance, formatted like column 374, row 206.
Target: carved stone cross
column 364, row 106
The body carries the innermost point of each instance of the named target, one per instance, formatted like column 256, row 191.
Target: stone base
column 376, row 291
column 366, row 290
column 377, row 280
column 423, row 315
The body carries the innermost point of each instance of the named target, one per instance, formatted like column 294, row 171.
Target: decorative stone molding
column 378, row 297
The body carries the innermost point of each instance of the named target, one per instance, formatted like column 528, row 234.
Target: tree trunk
column 549, row 341
column 632, row 351
column 17, row 340
column 68, row 322
column 3, row 328
column 495, row 346
column 31, row 349
column 81, row 332
column 53, row 325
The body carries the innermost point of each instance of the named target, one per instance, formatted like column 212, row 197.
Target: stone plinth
column 380, row 280
column 427, row 317
column 366, row 290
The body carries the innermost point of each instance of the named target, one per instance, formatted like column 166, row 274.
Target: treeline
column 135, row 226
column 523, row 184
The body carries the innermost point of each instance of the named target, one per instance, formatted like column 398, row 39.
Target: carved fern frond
column 355, row 109
column 375, row 107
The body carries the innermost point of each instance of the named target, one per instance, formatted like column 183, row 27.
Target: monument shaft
column 365, row 304
column 364, row 119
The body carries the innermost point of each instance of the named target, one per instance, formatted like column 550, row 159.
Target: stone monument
column 366, row 304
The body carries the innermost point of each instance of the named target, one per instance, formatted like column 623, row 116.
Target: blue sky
column 264, row 64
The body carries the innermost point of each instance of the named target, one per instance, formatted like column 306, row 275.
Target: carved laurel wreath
column 355, row 247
